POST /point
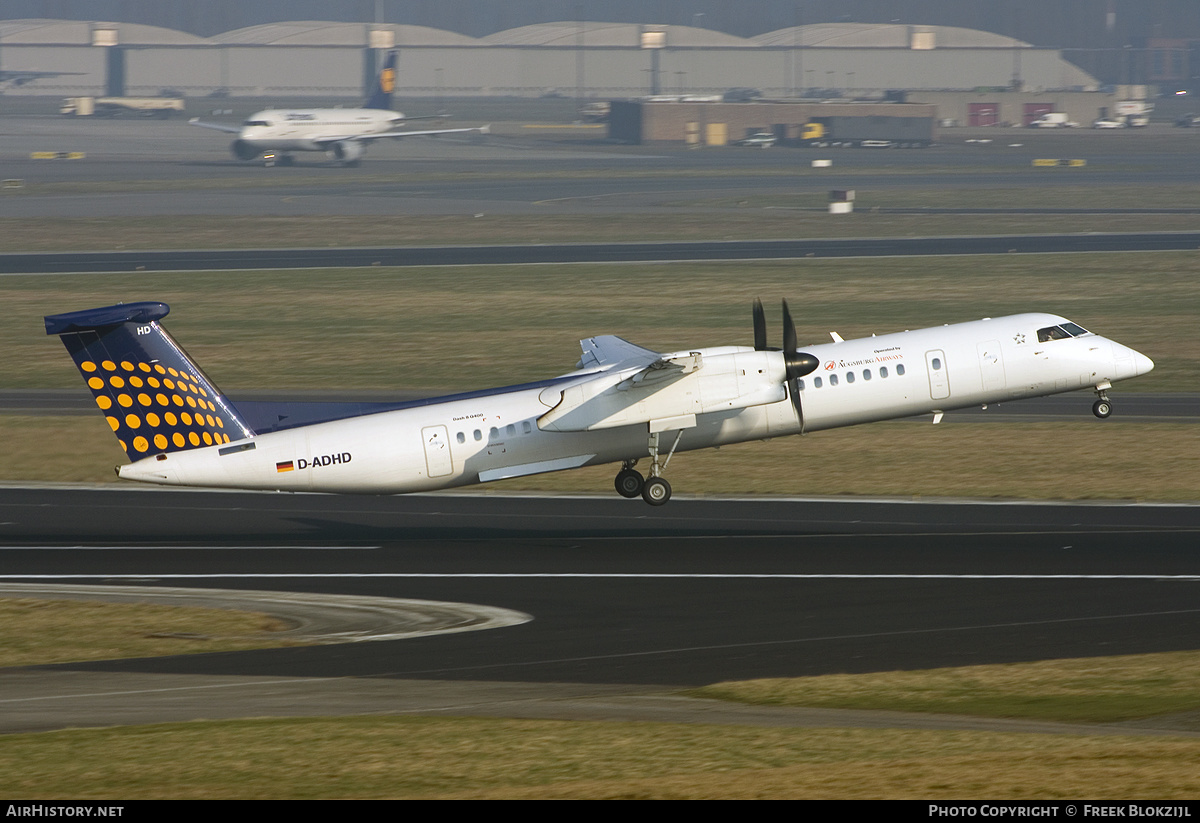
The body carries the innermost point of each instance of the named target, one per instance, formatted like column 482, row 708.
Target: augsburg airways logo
column 313, row 462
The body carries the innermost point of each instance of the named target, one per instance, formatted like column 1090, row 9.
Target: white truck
column 1054, row 120
column 160, row 107
column 1133, row 113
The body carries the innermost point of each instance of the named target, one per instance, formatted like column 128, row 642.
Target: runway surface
column 198, row 259
column 700, row 591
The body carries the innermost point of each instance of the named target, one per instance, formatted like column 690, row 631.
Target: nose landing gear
column 1102, row 408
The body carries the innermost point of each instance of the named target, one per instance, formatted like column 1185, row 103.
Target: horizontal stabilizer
column 76, row 321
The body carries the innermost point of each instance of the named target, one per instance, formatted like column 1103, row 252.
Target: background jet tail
column 155, row 399
column 381, row 97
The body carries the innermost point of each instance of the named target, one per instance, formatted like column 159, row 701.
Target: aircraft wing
column 195, row 121
column 399, row 134
column 20, row 78
column 608, row 350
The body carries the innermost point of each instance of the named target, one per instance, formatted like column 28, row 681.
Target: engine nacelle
column 347, row 152
column 243, row 150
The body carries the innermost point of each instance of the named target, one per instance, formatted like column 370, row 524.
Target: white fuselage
column 599, row 415
column 313, row 129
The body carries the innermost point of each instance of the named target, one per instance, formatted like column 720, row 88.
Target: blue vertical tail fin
column 385, row 84
column 154, row 397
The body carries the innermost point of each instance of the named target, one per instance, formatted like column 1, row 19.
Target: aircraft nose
column 1142, row 363
column 1130, row 363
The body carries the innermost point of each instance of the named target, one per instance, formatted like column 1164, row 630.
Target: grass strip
column 413, row 757
column 1092, row 690
column 39, row 632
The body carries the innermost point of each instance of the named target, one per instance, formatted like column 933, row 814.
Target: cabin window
column 883, row 371
column 478, row 434
column 528, row 429
column 900, row 370
column 936, row 363
column 866, row 374
column 817, row 382
column 800, row 385
column 462, row 438
column 849, row 377
column 493, row 433
column 833, row 380
column 510, row 429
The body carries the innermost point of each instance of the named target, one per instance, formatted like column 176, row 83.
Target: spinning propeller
column 796, row 363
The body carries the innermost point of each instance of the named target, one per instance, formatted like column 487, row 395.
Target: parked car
column 1105, row 123
column 741, row 95
column 761, row 140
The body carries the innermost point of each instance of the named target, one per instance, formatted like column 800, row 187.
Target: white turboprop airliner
column 342, row 134
column 622, row 404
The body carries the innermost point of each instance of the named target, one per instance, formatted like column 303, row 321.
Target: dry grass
column 1097, row 690
column 384, row 757
column 39, row 632
column 465, row 328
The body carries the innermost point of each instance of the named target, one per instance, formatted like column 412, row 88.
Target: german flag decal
column 285, row 466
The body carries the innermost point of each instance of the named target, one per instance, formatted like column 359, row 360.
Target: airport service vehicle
column 621, row 404
column 342, row 134
column 867, row 132
column 1105, row 123
column 1054, row 120
column 595, row 112
column 160, row 107
column 759, row 140
column 1133, row 113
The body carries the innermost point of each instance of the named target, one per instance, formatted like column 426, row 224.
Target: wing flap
column 610, row 350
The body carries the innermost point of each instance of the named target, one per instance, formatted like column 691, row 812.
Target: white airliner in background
column 342, row 134
column 621, row 404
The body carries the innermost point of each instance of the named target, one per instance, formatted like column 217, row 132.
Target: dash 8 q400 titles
column 622, row 404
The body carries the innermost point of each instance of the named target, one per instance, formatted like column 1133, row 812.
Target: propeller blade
column 789, row 331
column 794, row 393
column 760, row 326
column 797, row 363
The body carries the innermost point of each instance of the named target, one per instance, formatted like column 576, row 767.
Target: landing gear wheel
column 629, row 483
column 656, row 491
column 1102, row 409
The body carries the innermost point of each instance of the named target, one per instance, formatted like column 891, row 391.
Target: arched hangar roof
column 883, row 36
column 76, row 32
column 567, row 33
column 328, row 33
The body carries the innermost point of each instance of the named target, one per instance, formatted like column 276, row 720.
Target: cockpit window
column 257, row 123
column 1061, row 332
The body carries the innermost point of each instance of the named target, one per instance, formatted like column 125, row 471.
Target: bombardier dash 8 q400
column 342, row 134
column 622, row 403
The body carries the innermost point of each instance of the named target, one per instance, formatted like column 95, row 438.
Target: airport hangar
column 973, row 77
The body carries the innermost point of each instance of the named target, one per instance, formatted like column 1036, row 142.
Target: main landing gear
column 1102, row 408
column 655, row 490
